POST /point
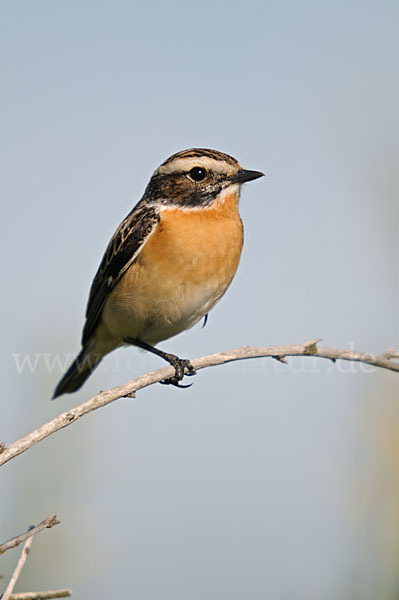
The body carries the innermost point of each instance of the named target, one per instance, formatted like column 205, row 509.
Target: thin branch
column 18, row 569
column 42, row 595
column 15, row 541
column 389, row 361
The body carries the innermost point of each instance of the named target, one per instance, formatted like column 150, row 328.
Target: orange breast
column 197, row 245
column 182, row 271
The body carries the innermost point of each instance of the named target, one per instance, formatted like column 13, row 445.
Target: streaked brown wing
column 122, row 250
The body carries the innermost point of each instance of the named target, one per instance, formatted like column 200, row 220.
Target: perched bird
column 168, row 263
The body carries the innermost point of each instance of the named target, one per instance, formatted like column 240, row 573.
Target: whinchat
column 168, row 263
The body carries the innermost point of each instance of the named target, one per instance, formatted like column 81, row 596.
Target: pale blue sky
column 246, row 485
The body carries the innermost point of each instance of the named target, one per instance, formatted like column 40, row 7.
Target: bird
column 167, row 264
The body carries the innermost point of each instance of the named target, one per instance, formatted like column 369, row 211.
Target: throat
column 227, row 200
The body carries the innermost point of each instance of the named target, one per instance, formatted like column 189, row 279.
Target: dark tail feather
column 83, row 365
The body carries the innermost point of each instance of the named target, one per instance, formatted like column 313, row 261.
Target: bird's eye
column 198, row 174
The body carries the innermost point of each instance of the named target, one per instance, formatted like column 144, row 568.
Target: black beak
column 244, row 175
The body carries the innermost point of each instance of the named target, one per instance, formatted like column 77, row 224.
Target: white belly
column 181, row 311
column 163, row 315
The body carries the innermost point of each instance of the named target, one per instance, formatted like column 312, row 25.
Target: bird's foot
column 182, row 367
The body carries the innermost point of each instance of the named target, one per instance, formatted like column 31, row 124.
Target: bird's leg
column 181, row 366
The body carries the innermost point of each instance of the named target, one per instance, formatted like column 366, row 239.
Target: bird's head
column 195, row 178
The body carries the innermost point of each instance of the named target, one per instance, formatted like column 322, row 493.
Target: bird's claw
column 182, row 367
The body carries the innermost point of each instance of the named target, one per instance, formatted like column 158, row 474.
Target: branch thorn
column 280, row 358
column 311, row 347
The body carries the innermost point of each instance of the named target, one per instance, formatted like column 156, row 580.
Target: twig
column 15, row 541
column 384, row 361
column 18, row 569
column 42, row 595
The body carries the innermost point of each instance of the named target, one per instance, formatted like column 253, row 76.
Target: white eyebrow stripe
column 185, row 164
